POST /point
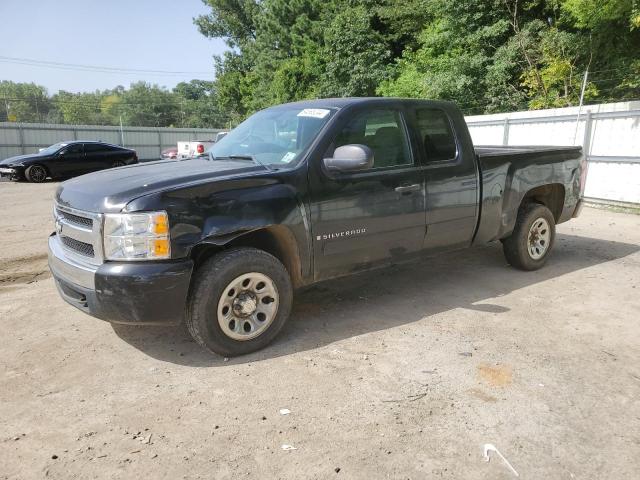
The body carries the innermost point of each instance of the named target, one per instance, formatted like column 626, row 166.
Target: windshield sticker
column 314, row 112
column 288, row 157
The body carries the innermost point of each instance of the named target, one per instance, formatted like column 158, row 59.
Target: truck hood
column 110, row 190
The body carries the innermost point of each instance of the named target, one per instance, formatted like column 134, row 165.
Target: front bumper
column 140, row 293
column 8, row 172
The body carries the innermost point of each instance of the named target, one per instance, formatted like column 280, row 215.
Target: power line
column 98, row 101
column 95, row 68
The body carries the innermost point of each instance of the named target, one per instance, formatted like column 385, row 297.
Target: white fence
column 608, row 133
column 23, row 138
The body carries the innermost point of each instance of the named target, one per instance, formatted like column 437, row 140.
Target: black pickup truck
column 297, row 194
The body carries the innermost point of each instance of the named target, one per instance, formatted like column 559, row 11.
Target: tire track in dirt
column 24, row 270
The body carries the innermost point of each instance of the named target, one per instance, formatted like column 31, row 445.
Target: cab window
column 436, row 135
column 381, row 130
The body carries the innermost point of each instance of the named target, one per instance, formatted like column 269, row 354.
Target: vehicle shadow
column 381, row 299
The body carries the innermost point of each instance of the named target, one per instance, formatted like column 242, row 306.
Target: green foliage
column 487, row 55
column 78, row 108
column 150, row 105
column 233, row 20
column 597, row 14
column 554, row 80
column 189, row 104
column 357, row 55
column 23, row 102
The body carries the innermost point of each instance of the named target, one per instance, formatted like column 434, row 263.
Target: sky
column 124, row 34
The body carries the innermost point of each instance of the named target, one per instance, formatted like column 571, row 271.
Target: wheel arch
column 550, row 195
column 276, row 240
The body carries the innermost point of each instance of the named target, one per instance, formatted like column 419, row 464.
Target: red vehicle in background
column 170, row 153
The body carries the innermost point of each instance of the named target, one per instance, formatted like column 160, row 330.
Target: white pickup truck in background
column 193, row 148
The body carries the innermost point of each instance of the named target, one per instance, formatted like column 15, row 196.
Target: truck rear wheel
column 239, row 301
column 532, row 238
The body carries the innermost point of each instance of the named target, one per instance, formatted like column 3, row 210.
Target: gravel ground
column 401, row 373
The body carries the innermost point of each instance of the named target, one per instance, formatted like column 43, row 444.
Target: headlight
column 136, row 236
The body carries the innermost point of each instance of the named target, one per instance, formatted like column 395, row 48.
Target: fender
column 222, row 212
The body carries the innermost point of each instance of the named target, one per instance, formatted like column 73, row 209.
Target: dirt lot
column 402, row 373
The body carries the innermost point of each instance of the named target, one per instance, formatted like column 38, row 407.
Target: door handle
column 408, row 188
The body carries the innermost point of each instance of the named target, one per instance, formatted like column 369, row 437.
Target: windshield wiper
column 253, row 158
column 250, row 157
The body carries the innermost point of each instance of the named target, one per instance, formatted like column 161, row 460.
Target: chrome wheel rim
column 248, row 305
column 38, row 174
column 539, row 238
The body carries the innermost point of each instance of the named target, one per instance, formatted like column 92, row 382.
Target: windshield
column 275, row 137
column 52, row 149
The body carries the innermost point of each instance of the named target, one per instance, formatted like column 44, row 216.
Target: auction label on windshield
column 288, row 157
column 314, row 112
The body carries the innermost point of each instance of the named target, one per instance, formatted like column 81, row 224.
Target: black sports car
column 66, row 159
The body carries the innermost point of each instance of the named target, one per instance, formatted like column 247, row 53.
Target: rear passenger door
column 451, row 179
column 371, row 217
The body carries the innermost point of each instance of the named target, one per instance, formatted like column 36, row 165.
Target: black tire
column 516, row 247
column 36, row 173
column 210, row 282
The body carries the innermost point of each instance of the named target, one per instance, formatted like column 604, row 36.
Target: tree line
column 486, row 55
column 189, row 104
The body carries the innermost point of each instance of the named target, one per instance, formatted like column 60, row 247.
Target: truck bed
column 508, row 172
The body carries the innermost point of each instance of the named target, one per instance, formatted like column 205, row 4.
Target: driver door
column 367, row 218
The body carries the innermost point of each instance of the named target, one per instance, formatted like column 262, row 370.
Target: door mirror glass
column 350, row 158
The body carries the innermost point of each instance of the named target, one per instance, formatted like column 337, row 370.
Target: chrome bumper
column 68, row 269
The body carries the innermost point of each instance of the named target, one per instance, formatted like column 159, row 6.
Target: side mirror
column 350, row 158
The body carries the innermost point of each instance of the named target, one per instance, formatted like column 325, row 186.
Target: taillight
column 200, row 148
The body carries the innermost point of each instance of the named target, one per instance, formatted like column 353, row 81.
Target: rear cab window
column 435, row 134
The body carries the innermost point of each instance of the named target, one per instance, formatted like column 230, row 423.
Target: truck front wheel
column 532, row 238
column 239, row 301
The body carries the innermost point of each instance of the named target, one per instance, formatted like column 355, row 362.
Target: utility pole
column 584, row 86
column 121, row 132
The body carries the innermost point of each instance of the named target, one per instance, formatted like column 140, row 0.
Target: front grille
column 76, row 219
column 77, row 246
